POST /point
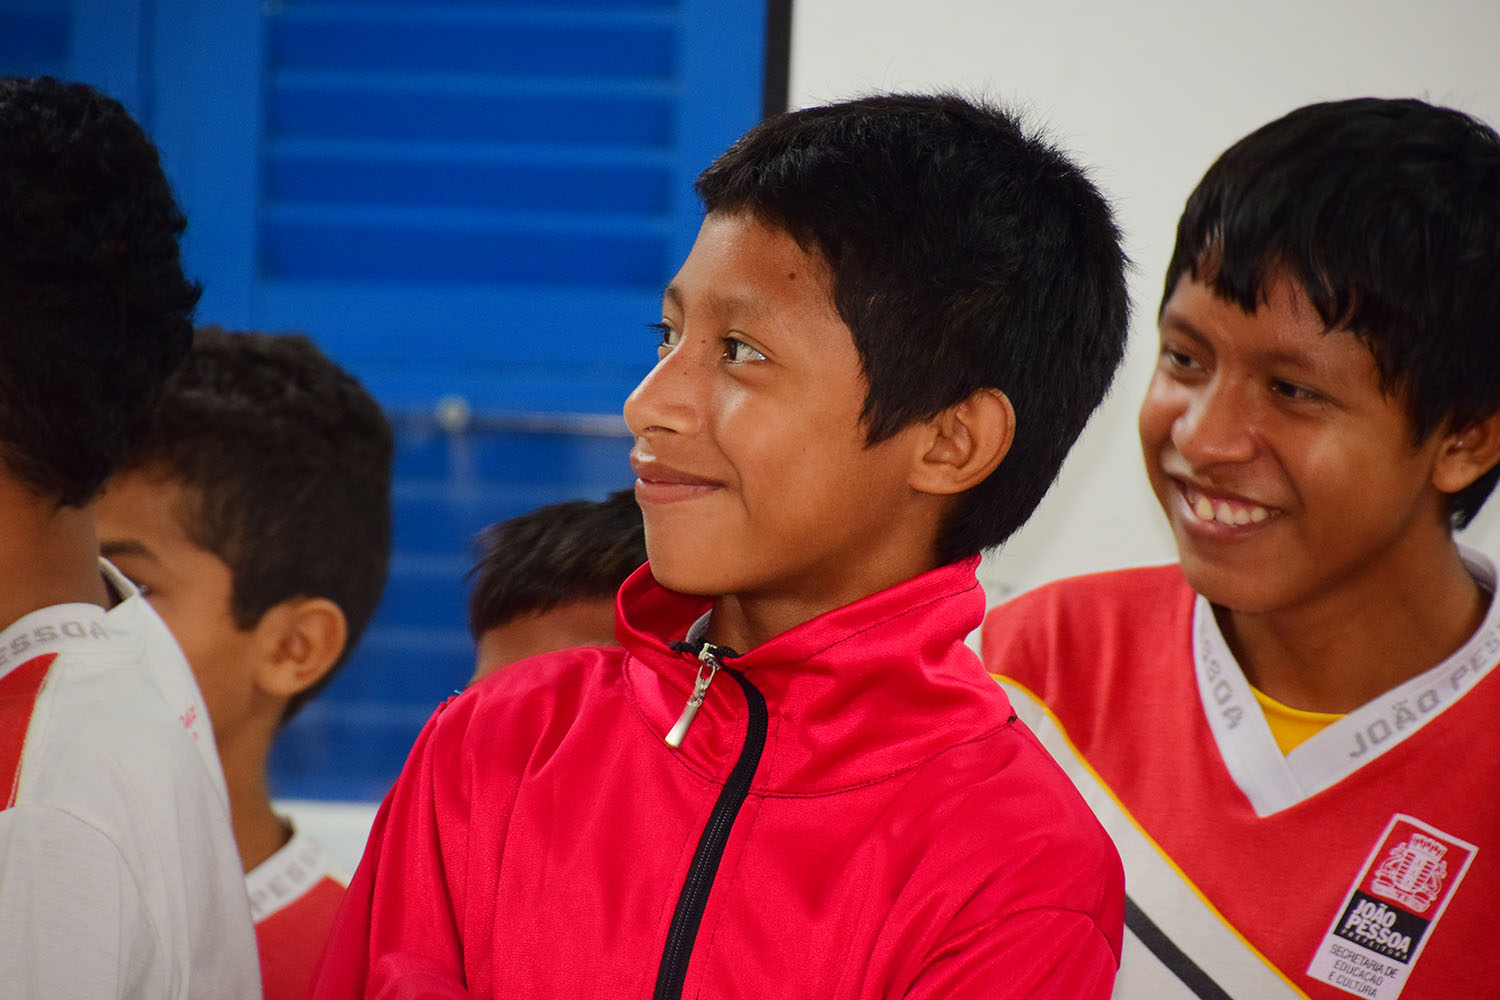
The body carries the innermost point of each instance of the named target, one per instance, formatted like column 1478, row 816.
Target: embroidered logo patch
column 1395, row 901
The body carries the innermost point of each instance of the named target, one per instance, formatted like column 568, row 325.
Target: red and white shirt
column 294, row 895
column 119, row 875
column 1365, row 862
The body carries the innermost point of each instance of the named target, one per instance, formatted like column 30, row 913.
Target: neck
column 38, row 533
column 258, row 831
column 1347, row 647
column 744, row 621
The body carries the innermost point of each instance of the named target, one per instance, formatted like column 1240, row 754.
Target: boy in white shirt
column 118, row 875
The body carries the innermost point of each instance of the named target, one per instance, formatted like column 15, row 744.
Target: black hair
column 563, row 552
column 1387, row 214
column 287, row 463
column 94, row 309
column 965, row 254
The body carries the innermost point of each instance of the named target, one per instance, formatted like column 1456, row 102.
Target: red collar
column 858, row 694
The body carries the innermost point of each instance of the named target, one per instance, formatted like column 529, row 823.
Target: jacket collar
column 855, row 695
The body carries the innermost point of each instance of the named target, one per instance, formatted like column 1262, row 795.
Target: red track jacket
column 853, row 813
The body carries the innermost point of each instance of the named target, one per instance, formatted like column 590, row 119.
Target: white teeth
column 1224, row 513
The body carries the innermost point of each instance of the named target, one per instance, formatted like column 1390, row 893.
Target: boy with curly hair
column 255, row 517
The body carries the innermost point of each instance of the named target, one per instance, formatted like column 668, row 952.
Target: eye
column 1175, row 358
column 1293, row 391
column 738, row 352
column 669, row 337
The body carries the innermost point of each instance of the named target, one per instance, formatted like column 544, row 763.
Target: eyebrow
column 719, row 302
column 125, row 547
column 1292, row 359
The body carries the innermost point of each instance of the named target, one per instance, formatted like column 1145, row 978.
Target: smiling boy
column 792, row 778
column 1290, row 734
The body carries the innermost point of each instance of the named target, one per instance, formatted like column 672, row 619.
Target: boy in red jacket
column 1291, row 734
column 792, row 778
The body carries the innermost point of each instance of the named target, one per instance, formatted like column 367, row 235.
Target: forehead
column 744, row 265
column 144, row 504
column 1284, row 329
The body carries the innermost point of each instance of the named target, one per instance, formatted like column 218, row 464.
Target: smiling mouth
column 1223, row 510
column 658, row 483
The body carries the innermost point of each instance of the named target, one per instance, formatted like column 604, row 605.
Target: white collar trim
column 1273, row 782
column 287, row 875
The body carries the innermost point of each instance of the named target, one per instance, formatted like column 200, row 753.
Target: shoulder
column 556, row 679
column 88, row 713
column 1086, row 617
column 1123, row 589
column 528, row 705
column 106, row 749
column 1023, row 837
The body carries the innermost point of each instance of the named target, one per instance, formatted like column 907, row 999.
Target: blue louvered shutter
column 472, row 204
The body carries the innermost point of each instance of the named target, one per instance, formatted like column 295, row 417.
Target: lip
column 657, row 482
column 1229, row 515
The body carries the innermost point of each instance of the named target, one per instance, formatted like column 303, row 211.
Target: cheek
column 1154, row 422
column 197, row 645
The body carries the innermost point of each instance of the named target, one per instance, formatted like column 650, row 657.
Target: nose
column 668, row 399
column 1216, row 425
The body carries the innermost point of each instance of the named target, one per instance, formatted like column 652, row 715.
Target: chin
column 1231, row 589
column 672, row 575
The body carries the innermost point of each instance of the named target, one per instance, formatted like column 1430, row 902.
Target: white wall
column 1146, row 94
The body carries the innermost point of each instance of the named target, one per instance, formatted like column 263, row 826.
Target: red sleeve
column 396, row 936
column 1047, row 954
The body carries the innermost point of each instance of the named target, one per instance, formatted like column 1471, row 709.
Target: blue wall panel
column 474, row 200
column 34, row 39
column 350, row 742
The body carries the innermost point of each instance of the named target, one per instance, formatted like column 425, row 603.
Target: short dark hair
column 1387, row 213
column 563, row 552
column 94, row 309
column 965, row 254
column 288, row 462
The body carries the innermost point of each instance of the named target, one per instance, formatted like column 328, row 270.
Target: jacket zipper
column 672, row 975
column 708, row 666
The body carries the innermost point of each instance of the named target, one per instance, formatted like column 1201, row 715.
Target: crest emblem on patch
column 1413, row 872
column 1390, row 910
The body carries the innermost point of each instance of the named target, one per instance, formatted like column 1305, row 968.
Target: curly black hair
column 95, row 311
column 287, row 462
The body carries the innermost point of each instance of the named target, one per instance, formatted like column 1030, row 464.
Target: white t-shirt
column 119, row 875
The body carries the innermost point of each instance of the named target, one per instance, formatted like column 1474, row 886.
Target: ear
column 301, row 639
column 963, row 444
column 1466, row 454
